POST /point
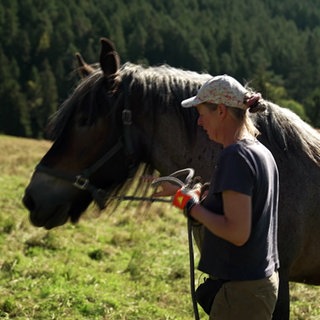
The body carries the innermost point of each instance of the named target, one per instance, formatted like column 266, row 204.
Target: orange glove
column 183, row 195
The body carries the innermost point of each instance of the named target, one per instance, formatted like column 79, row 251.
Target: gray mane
column 283, row 131
column 166, row 83
column 159, row 86
column 162, row 87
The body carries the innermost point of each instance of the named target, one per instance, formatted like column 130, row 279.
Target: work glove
column 185, row 198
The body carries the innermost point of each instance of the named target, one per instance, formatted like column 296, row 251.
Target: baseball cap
column 219, row 89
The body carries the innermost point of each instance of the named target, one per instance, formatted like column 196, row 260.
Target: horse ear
column 83, row 68
column 109, row 58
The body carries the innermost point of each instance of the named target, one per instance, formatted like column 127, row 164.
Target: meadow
column 130, row 264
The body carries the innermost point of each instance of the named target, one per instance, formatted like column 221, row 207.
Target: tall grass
column 129, row 265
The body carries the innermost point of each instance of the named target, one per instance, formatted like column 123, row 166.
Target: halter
column 82, row 180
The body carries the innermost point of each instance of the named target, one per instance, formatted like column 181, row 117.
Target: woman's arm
column 235, row 225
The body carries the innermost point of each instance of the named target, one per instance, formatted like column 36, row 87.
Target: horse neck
column 172, row 144
column 169, row 138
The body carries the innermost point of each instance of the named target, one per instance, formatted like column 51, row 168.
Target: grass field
column 128, row 265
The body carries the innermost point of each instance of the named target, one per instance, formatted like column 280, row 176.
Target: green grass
column 129, row 265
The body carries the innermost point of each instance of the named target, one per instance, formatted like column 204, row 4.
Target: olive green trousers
column 246, row 300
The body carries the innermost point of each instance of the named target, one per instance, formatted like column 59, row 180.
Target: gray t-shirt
column 246, row 167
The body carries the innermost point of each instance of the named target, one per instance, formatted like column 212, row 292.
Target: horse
column 120, row 117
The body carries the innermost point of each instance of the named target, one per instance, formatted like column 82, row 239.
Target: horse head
column 92, row 149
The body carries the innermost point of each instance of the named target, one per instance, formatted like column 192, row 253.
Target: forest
column 274, row 45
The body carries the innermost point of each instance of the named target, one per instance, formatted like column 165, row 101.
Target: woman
column 239, row 213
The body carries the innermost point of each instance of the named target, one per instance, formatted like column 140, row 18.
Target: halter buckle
column 127, row 117
column 81, row 183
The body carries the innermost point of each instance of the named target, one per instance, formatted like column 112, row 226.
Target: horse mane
column 170, row 84
column 157, row 88
column 164, row 87
column 88, row 85
column 284, row 131
column 161, row 86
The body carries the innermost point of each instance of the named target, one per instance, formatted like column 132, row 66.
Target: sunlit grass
column 132, row 264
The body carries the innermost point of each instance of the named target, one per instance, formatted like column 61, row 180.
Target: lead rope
column 192, row 271
column 188, row 181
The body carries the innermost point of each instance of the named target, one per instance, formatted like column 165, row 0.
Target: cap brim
column 191, row 102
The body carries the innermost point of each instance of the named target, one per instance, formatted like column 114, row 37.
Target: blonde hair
column 253, row 103
column 243, row 117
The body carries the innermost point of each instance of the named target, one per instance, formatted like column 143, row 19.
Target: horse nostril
column 28, row 202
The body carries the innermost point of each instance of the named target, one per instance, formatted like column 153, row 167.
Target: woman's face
column 210, row 121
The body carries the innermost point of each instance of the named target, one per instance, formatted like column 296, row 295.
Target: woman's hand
column 166, row 189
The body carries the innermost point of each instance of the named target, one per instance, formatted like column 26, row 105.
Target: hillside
column 19, row 155
column 132, row 264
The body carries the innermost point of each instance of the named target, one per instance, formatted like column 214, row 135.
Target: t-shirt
column 246, row 167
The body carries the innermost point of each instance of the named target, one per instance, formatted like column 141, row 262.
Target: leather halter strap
column 82, row 180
